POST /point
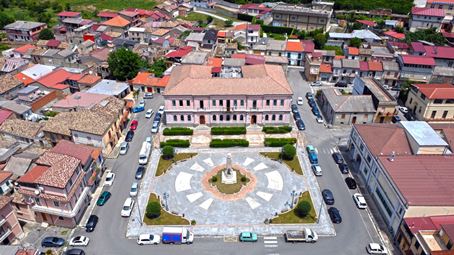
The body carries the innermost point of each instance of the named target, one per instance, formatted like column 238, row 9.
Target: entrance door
column 354, row 120
column 202, row 120
column 228, row 105
column 253, row 119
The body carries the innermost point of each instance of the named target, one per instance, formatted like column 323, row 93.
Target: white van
column 127, row 207
column 144, row 153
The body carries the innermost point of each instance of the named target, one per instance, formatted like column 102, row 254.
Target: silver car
column 134, row 189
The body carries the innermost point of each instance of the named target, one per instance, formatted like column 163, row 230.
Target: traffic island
column 165, row 164
column 293, row 164
column 159, row 216
column 303, row 212
column 241, row 180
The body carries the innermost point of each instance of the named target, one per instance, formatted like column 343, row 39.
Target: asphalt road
column 353, row 234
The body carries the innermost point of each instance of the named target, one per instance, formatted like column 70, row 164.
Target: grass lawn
column 165, row 218
column 194, row 16
column 111, row 4
column 165, row 164
column 294, row 164
column 290, row 217
column 229, row 188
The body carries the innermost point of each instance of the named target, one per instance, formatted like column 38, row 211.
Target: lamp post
column 140, row 213
column 166, row 196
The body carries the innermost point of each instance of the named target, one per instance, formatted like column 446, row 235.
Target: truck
column 312, row 154
column 144, row 153
column 177, row 235
column 306, row 235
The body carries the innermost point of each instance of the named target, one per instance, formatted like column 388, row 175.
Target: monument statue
column 228, row 175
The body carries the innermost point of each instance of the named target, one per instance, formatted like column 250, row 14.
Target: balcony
column 60, row 212
column 4, row 234
column 2, row 221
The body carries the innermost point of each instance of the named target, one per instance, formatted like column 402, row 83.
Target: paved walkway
column 272, row 194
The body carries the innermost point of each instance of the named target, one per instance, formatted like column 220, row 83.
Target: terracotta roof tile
column 353, row 51
column 8, row 82
column 295, row 46
column 325, row 68
column 215, row 62
column 4, row 114
column 418, row 60
column 89, row 79
column 5, row 176
column 61, row 168
column 79, row 151
column 21, row 128
column 428, row 11
column 4, row 200
column 383, row 139
column 116, row 21
column 375, row 66
column 395, row 34
column 25, row 48
column 56, row 77
column 436, row 91
column 33, row 174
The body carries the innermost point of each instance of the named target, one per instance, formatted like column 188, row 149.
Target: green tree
column 303, row 208
column 125, row 64
column 5, row 19
column 168, row 152
column 46, row 34
column 228, row 23
column 153, row 210
column 209, row 19
column 404, row 89
column 430, row 35
column 355, row 42
column 320, row 40
column 158, row 67
column 288, row 152
column 399, row 29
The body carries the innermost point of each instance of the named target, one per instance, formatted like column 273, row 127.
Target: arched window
column 227, row 118
column 234, row 117
column 174, row 117
column 214, row 117
column 241, row 117
column 267, row 117
column 281, row 117
column 221, row 117
column 273, row 117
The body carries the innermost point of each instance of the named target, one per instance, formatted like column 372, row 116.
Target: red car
column 134, row 124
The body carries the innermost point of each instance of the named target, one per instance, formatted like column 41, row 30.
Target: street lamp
column 166, row 196
column 140, row 213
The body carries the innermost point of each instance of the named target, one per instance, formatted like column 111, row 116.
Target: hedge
column 224, row 143
column 228, row 130
column 245, row 17
column 277, row 30
column 279, row 142
column 153, row 210
column 176, row 143
column 177, row 131
column 168, row 152
column 277, row 130
column 288, row 152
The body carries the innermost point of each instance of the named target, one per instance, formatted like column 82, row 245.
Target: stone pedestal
column 228, row 178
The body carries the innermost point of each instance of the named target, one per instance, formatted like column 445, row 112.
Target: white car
column 161, row 109
column 79, row 241
column 134, row 189
column 317, row 170
column 148, row 139
column 148, row 239
column 316, row 83
column 149, row 113
column 155, row 127
column 148, row 95
column 110, row 177
column 126, row 210
column 142, row 103
column 124, row 146
column 403, row 109
column 300, row 101
column 375, row 248
column 360, row 201
column 319, row 119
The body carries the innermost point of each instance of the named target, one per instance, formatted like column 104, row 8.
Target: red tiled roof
column 308, row 46
column 33, row 174
column 80, row 100
column 24, row 78
column 79, row 151
column 89, row 79
column 428, row 11
column 221, row 33
column 445, row 52
column 369, row 23
column 179, row 53
column 254, row 27
column 375, row 66
column 383, row 139
column 23, row 49
column 353, row 51
column 400, row 45
column 4, row 114
column 395, row 34
column 325, row 68
column 363, row 66
column 76, row 76
column 215, row 62
column 107, row 14
column 418, row 60
column 436, row 91
column 68, row 14
column 295, row 46
column 339, row 57
column 146, row 79
column 116, row 21
column 415, row 224
column 55, row 78
column 440, row 1
column 4, row 200
column 252, row 59
column 216, row 69
column 417, row 47
column 53, row 43
column 434, row 171
column 5, row 176
column 241, row 26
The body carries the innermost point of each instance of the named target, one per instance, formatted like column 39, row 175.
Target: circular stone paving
column 267, row 193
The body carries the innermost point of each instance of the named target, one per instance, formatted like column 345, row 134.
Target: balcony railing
column 2, row 221
column 4, row 234
column 61, row 212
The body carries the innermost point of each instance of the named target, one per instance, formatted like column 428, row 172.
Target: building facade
column 300, row 17
column 24, row 30
column 10, row 228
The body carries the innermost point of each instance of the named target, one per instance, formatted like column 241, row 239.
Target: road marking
column 270, row 237
column 270, row 242
column 252, row 203
column 230, row 239
column 197, row 167
column 260, row 166
column 206, row 204
column 264, row 195
column 270, row 245
column 194, row 196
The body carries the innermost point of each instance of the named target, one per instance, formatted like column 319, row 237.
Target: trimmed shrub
column 177, row 131
column 193, row 222
column 176, row 143
column 214, row 178
column 243, row 179
column 288, row 152
column 228, row 130
column 302, row 209
column 277, row 130
column 277, row 30
column 168, row 152
column 224, row 143
column 279, row 142
column 153, row 210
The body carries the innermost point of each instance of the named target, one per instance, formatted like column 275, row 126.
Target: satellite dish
column 37, row 192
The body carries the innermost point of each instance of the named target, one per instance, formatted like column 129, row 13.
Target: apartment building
column 251, row 94
column 424, row 18
column 446, row 5
column 10, row 228
column 432, row 102
column 300, row 17
column 416, row 68
column 24, row 30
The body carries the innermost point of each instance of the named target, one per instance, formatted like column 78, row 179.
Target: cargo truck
column 177, row 235
column 306, row 235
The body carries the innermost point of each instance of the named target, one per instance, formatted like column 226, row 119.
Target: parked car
column 142, row 103
column 319, row 119
column 315, row 111
column 248, row 237
column 309, row 95
column 74, row 251
column 139, row 173
column 360, row 201
column 124, row 146
column 338, row 158
column 328, row 197
column 110, row 177
column 148, row 95
column 91, row 223
column 316, row 83
column 395, row 119
column 127, row 207
column 102, row 200
column 149, row 113
column 294, row 108
column 410, row 116
column 403, row 109
column 342, row 84
column 351, row 183
column 343, row 168
column 317, row 170
column 129, row 136
column 312, row 154
column 155, row 127
column 161, row 109
column 300, row 101
column 297, row 116
column 134, row 189
column 138, row 108
column 375, row 248
column 300, row 124
column 334, row 214
column 157, row 117
column 134, row 125
column 52, row 241
column 79, row 241
column 148, row 239
column 312, row 103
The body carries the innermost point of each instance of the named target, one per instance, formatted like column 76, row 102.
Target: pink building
column 56, row 189
column 10, row 228
column 255, row 94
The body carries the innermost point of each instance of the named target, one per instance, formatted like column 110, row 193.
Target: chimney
column 393, row 155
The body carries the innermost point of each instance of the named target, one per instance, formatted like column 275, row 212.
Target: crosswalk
column 270, row 241
column 328, row 151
